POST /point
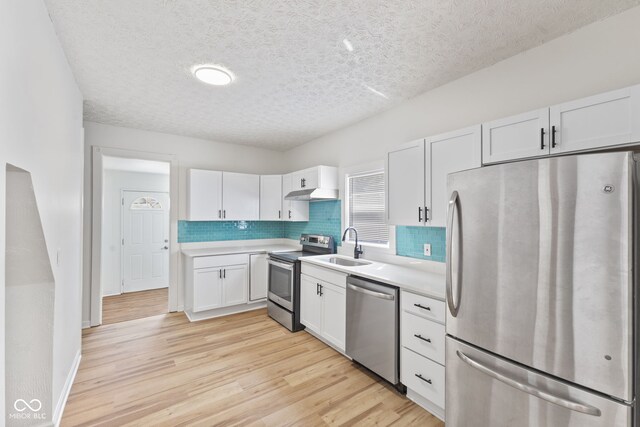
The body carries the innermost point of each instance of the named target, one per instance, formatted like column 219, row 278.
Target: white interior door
column 145, row 240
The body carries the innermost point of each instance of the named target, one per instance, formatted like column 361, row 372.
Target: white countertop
column 408, row 279
column 249, row 249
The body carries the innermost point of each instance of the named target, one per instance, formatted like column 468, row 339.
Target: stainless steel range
column 283, row 304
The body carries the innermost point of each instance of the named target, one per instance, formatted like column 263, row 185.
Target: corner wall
column 41, row 132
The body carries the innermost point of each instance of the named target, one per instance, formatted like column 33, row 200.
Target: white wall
column 41, row 132
column 114, row 182
column 189, row 152
column 599, row 57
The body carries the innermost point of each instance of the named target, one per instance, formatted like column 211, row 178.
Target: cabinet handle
column 224, row 214
column 427, row 380
column 303, row 182
column 319, row 289
column 220, row 274
column 219, row 213
column 224, row 273
column 422, row 306
column 420, row 337
column 419, row 214
column 542, row 138
column 279, row 214
column 426, row 214
column 553, row 137
column 289, row 214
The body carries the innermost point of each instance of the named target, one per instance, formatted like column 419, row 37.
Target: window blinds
column 366, row 207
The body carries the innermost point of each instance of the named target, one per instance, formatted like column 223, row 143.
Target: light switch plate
column 427, row 249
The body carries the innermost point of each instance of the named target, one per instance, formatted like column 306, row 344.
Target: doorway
column 134, row 255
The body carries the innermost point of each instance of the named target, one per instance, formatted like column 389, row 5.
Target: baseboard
column 86, row 324
column 57, row 414
column 426, row 404
column 224, row 311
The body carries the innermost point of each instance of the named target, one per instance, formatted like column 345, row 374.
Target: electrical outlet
column 427, row 249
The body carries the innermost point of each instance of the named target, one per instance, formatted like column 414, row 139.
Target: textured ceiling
column 295, row 79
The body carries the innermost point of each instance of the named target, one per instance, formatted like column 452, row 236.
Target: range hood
column 311, row 194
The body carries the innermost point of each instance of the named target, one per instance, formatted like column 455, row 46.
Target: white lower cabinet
column 422, row 351
column 323, row 308
column 215, row 282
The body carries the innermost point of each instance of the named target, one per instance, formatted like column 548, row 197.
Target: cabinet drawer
column 325, row 274
column 423, row 336
column 423, row 376
column 423, row 306
column 219, row 260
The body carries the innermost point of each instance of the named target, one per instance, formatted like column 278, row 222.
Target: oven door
column 281, row 281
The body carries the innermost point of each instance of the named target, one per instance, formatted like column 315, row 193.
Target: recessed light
column 347, row 44
column 216, row 76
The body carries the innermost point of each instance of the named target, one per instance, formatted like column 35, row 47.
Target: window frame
column 363, row 170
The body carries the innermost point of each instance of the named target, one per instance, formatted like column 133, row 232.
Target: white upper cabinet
column 271, row 197
column 611, row 118
column 405, row 172
column 316, row 177
column 599, row 121
column 240, row 196
column 516, row 137
column 292, row 210
column 448, row 153
column 204, row 198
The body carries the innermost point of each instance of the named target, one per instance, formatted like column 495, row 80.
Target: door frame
column 122, row 209
column 95, row 295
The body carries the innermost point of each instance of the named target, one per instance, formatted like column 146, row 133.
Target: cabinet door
column 296, row 180
column 516, row 137
column 234, row 285
column 603, row 120
column 240, row 196
column 451, row 152
column 204, row 195
column 258, row 277
column 207, row 289
column 293, row 210
column 310, row 304
column 334, row 308
column 405, row 184
column 271, row 197
column 310, row 178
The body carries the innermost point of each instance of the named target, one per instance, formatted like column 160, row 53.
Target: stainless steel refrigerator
column 542, row 324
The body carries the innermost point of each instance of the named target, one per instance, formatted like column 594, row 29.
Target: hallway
column 134, row 305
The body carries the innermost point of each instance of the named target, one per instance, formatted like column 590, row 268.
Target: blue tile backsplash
column 410, row 242
column 324, row 218
column 212, row 231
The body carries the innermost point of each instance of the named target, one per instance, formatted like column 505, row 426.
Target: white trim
column 426, row 404
column 95, row 314
column 225, row 311
column 66, row 389
column 86, row 324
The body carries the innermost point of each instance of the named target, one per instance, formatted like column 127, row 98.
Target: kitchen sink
column 347, row 262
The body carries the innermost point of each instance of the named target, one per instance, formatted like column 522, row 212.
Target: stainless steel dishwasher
column 372, row 327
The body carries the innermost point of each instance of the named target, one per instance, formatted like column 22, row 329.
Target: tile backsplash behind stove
column 324, row 218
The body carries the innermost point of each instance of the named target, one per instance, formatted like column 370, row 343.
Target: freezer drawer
column 484, row 390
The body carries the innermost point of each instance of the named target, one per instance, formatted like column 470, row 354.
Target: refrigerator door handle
column 557, row 400
column 453, row 308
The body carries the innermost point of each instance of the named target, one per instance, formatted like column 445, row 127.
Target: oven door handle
column 288, row 267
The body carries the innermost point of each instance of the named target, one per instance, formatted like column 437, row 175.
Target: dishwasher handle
column 381, row 295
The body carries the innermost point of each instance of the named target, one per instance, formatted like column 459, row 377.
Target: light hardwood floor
column 134, row 305
column 243, row 369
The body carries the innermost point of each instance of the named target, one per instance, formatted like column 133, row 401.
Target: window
column 365, row 207
column 146, row 203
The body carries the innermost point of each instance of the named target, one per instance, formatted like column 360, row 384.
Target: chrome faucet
column 357, row 250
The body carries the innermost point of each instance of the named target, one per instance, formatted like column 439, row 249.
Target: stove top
column 291, row 256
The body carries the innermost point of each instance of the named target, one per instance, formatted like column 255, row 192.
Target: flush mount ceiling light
column 213, row 75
